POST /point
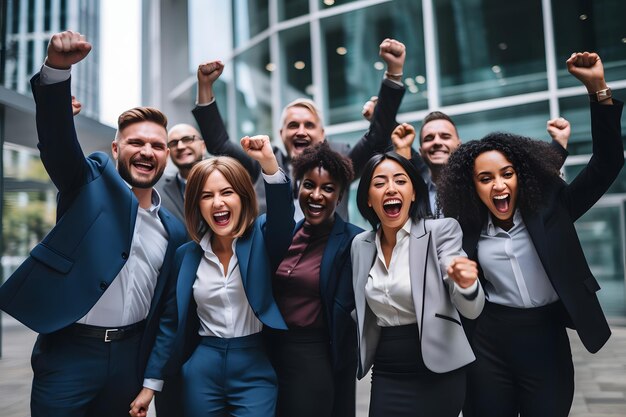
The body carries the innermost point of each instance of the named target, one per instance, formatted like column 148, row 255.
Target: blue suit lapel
column 336, row 238
column 243, row 249
column 186, row 278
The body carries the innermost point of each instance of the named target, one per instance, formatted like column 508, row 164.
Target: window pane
column 527, row 120
column 584, row 25
column 253, row 96
column 350, row 48
column 288, row 9
column 296, row 66
column 489, row 49
column 250, row 17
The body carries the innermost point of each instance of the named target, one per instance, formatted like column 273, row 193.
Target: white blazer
column 433, row 245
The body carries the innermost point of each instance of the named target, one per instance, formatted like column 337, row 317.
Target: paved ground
column 600, row 378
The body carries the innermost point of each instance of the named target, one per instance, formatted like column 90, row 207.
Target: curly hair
column 536, row 164
column 418, row 208
column 321, row 156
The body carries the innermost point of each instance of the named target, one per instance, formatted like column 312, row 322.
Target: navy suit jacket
column 259, row 253
column 69, row 270
column 554, row 236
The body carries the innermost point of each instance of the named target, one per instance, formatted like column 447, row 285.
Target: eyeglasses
column 186, row 140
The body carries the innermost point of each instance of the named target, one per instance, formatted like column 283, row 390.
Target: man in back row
column 301, row 123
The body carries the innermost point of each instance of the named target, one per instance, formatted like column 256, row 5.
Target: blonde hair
column 304, row 103
column 238, row 178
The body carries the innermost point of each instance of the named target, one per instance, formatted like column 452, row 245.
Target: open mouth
column 392, row 207
column 144, row 166
column 221, row 218
column 300, row 143
column 315, row 209
column 501, row 202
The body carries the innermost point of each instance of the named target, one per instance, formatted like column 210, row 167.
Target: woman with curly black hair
column 315, row 360
column 517, row 217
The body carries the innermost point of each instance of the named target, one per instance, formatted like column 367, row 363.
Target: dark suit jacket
column 171, row 197
column 70, row 269
column 554, row 236
column 259, row 253
column 376, row 140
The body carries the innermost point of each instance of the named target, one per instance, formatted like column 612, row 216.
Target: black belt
column 106, row 334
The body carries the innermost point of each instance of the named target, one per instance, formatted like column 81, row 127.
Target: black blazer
column 554, row 236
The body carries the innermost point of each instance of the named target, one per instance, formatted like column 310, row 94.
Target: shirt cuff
column 398, row 83
column 279, row 177
column 49, row 75
column 469, row 291
column 206, row 104
column 153, row 384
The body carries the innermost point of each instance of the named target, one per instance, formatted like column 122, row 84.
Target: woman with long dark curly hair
column 517, row 217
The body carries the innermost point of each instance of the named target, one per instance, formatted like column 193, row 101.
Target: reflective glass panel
column 296, row 67
column 600, row 232
column 288, row 9
column 253, row 92
column 489, row 49
column 584, row 25
column 354, row 70
column 250, row 17
column 328, row 4
column 527, row 120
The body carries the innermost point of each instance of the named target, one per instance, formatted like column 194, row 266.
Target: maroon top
column 297, row 280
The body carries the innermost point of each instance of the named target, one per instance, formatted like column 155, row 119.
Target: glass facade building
column 489, row 64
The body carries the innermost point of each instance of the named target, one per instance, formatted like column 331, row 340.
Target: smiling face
column 496, row 183
column 390, row 194
column 185, row 155
column 220, row 206
column 439, row 139
column 301, row 128
column 319, row 195
column 140, row 150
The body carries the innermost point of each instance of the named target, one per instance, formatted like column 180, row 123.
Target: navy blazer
column 69, row 270
column 259, row 253
column 554, row 236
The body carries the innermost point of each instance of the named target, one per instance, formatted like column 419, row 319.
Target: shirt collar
column 491, row 229
column 205, row 243
column 155, row 200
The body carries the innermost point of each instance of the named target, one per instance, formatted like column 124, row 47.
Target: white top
column 514, row 274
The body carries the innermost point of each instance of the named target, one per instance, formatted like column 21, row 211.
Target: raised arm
column 378, row 137
column 210, row 121
column 608, row 151
column 58, row 144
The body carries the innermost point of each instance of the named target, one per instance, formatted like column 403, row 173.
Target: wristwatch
column 600, row 95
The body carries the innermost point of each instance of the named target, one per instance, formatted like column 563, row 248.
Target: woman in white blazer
column 411, row 280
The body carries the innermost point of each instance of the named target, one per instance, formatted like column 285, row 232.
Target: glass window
column 288, row 9
column 296, row 66
column 350, row 45
column 584, row 25
column 253, row 92
column 489, row 49
column 250, row 17
column 600, row 232
column 327, row 4
column 527, row 120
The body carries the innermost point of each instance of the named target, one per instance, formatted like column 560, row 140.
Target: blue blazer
column 259, row 253
column 69, row 270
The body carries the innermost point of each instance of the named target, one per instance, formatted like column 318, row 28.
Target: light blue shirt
column 514, row 274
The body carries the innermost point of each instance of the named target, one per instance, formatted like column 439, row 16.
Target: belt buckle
column 106, row 334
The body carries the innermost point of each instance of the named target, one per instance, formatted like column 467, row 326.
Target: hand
column 588, row 68
column 76, row 106
column 394, row 54
column 463, row 271
column 260, row 149
column 402, row 138
column 208, row 73
column 559, row 130
column 66, row 49
column 369, row 107
column 139, row 407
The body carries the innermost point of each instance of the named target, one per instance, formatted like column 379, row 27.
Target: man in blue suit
column 93, row 288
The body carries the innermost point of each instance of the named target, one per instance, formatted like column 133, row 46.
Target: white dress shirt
column 514, row 274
